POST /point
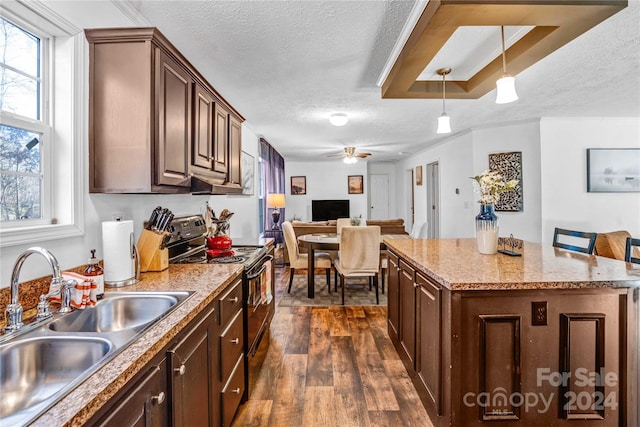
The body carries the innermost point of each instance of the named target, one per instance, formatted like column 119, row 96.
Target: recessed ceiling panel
column 551, row 23
column 470, row 49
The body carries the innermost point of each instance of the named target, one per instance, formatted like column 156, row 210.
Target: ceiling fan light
column 444, row 125
column 350, row 160
column 506, row 90
column 338, row 119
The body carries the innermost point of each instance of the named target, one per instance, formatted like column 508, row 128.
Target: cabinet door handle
column 181, row 370
column 234, row 300
column 235, row 341
column 236, row 390
column 415, row 285
column 159, row 398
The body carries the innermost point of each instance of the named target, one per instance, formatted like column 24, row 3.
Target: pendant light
column 506, row 85
column 444, row 126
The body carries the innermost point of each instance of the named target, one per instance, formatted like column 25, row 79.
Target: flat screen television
column 324, row 210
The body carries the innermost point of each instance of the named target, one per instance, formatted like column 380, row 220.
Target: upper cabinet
column 155, row 124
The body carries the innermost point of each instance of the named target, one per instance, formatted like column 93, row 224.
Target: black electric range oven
column 187, row 245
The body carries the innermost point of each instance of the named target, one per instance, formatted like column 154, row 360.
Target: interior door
column 433, row 200
column 379, row 193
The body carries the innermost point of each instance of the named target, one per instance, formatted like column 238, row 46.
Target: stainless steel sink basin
column 117, row 312
column 43, row 362
column 33, row 370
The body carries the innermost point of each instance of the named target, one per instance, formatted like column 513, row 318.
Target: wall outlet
column 539, row 313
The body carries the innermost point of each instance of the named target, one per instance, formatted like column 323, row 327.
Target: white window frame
column 64, row 106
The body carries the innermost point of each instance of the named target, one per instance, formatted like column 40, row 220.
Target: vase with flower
column 490, row 185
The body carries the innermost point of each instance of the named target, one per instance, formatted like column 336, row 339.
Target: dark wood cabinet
column 428, row 340
column 145, row 404
column 173, row 92
column 393, row 295
column 235, row 151
column 154, row 121
column 192, row 365
column 407, row 287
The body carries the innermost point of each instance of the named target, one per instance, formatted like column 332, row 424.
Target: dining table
column 329, row 242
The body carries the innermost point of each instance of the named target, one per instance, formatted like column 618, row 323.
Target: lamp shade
column 444, row 125
column 275, row 200
column 506, row 90
column 350, row 160
column 338, row 119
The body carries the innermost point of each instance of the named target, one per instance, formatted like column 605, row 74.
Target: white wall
column 523, row 137
column 325, row 180
column 565, row 201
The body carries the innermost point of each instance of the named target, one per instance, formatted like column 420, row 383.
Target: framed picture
column 510, row 167
column 419, row 175
column 356, row 184
column 613, row 170
column 247, row 171
column 298, row 185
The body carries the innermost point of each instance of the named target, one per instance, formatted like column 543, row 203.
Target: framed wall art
column 419, row 175
column 510, row 167
column 356, row 184
column 247, row 171
column 298, row 185
column 613, row 170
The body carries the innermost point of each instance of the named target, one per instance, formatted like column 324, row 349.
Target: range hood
column 201, row 184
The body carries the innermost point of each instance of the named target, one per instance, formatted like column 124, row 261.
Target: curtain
column 272, row 181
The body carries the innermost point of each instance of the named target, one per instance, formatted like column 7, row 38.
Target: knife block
column 152, row 257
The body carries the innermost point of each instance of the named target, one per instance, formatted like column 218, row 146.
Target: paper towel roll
column 117, row 239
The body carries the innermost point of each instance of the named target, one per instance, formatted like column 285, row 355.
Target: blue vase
column 487, row 230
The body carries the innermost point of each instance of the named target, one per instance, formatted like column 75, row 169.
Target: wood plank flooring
column 331, row 366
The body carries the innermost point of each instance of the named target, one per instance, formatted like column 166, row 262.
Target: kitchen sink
column 34, row 370
column 119, row 311
column 43, row 362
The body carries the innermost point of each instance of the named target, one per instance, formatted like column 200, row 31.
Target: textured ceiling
column 287, row 65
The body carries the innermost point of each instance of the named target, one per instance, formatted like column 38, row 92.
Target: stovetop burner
column 227, row 260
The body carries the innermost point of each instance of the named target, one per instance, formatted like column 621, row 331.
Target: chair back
column 342, row 222
column 290, row 241
column 581, row 241
column 419, row 230
column 611, row 244
column 360, row 248
column 633, row 245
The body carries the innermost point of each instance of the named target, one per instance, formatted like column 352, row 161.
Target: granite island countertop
column 457, row 265
column 206, row 281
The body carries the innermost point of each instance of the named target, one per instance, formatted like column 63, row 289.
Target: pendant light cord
column 443, row 91
column 504, row 55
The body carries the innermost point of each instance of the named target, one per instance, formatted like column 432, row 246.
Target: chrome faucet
column 58, row 286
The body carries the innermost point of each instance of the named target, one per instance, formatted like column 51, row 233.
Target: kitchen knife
column 165, row 225
column 153, row 218
column 160, row 220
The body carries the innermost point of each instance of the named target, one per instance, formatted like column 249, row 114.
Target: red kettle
column 219, row 242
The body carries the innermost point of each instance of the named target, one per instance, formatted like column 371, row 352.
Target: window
column 42, row 120
column 22, row 128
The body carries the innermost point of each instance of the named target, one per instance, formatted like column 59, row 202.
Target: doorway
column 409, row 199
column 433, row 200
column 379, row 194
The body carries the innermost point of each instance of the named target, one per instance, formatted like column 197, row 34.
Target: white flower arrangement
column 490, row 184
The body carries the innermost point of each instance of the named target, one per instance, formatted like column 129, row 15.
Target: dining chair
column 340, row 223
column 588, row 240
column 611, row 244
column 633, row 245
column 359, row 255
column 419, row 230
column 298, row 261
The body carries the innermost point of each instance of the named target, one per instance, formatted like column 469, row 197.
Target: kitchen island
column 547, row 338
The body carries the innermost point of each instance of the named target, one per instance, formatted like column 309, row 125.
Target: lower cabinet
column 408, row 311
column 146, row 402
column 197, row 380
column 392, row 295
column 192, row 364
column 428, row 335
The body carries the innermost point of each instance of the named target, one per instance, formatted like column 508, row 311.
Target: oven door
column 259, row 299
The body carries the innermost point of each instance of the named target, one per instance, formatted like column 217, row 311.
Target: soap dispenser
column 97, row 273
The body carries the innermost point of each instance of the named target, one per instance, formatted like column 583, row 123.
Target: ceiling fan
column 350, row 155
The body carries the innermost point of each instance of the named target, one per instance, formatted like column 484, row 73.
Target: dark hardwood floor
column 331, row 366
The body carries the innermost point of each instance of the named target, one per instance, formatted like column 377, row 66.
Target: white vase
column 487, row 230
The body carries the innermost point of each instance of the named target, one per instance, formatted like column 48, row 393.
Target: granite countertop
column 457, row 265
column 207, row 281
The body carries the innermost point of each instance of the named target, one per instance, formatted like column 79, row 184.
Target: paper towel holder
column 133, row 280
